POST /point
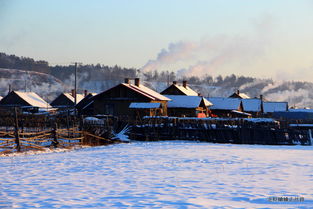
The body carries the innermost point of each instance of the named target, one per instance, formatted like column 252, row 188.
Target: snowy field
column 160, row 175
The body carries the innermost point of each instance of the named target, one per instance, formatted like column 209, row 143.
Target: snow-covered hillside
column 297, row 94
column 160, row 175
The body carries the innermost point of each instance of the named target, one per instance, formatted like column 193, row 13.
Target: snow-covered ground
column 160, row 175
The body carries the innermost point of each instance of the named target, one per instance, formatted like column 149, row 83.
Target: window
column 108, row 109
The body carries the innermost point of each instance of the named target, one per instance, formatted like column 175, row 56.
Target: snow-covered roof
column 79, row 97
column 244, row 96
column 269, row 107
column 300, row 110
column 261, row 120
column 251, row 105
column 241, row 113
column 146, row 92
column 33, row 99
column 183, row 101
column 186, row 90
column 253, row 120
column 144, row 105
column 239, row 95
column 222, row 103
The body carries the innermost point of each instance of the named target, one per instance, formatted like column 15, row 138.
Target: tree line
column 100, row 72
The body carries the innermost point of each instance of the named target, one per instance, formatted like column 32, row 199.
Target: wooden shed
column 227, row 107
column 270, row 107
column 66, row 100
column 85, row 106
column 117, row 100
column 188, row 106
column 253, row 106
column 176, row 89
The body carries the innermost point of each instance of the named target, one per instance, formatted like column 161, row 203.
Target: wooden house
column 270, row 107
column 123, row 99
column 188, row 106
column 176, row 89
column 227, row 107
column 146, row 109
column 66, row 100
column 239, row 95
column 85, row 106
column 27, row 101
column 253, row 106
column 305, row 115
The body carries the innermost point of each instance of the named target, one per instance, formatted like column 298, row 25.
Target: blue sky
column 271, row 39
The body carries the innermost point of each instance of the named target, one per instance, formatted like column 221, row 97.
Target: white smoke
column 44, row 85
column 214, row 54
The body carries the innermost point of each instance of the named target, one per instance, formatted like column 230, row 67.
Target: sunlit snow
column 159, row 175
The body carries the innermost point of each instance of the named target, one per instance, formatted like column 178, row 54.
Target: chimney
column 199, row 95
column 238, row 92
column 85, row 93
column 261, row 97
column 185, row 84
column 127, row 80
column 174, row 82
column 137, row 82
column 73, row 92
column 10, row 88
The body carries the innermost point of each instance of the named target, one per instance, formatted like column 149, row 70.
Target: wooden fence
column 17, row 141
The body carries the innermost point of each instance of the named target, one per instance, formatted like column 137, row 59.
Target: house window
column 109, row 109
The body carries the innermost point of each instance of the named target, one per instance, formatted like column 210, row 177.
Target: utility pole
column 75, row 87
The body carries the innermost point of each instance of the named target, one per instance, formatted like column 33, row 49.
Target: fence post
column 17, row 138
column 55, row 142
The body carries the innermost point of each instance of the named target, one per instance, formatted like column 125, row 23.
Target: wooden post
column 17, row 138
column 55, row 142
column 68, row 123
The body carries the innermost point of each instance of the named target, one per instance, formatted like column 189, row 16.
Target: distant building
column 28, row 101
column 239, row 95
column 176, row 89
column 227, row 107
column 124, row 99
column 66, row 100
column 294, row 114
column 270, row 107
column 85, row 106
column 188, row 106
column 253, row 106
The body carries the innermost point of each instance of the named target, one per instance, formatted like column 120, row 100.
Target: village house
column 85, row 106
column 66, row 100
column 270, row 107
column 227, row 107
column 28, row 101
column 130, row 100
column 176, row 89
column 295, row 114
column 253, row 106
column 188, row 106
column 239, row 95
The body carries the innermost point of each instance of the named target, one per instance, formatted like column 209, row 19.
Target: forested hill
column 48, row 80
column 90, row 72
